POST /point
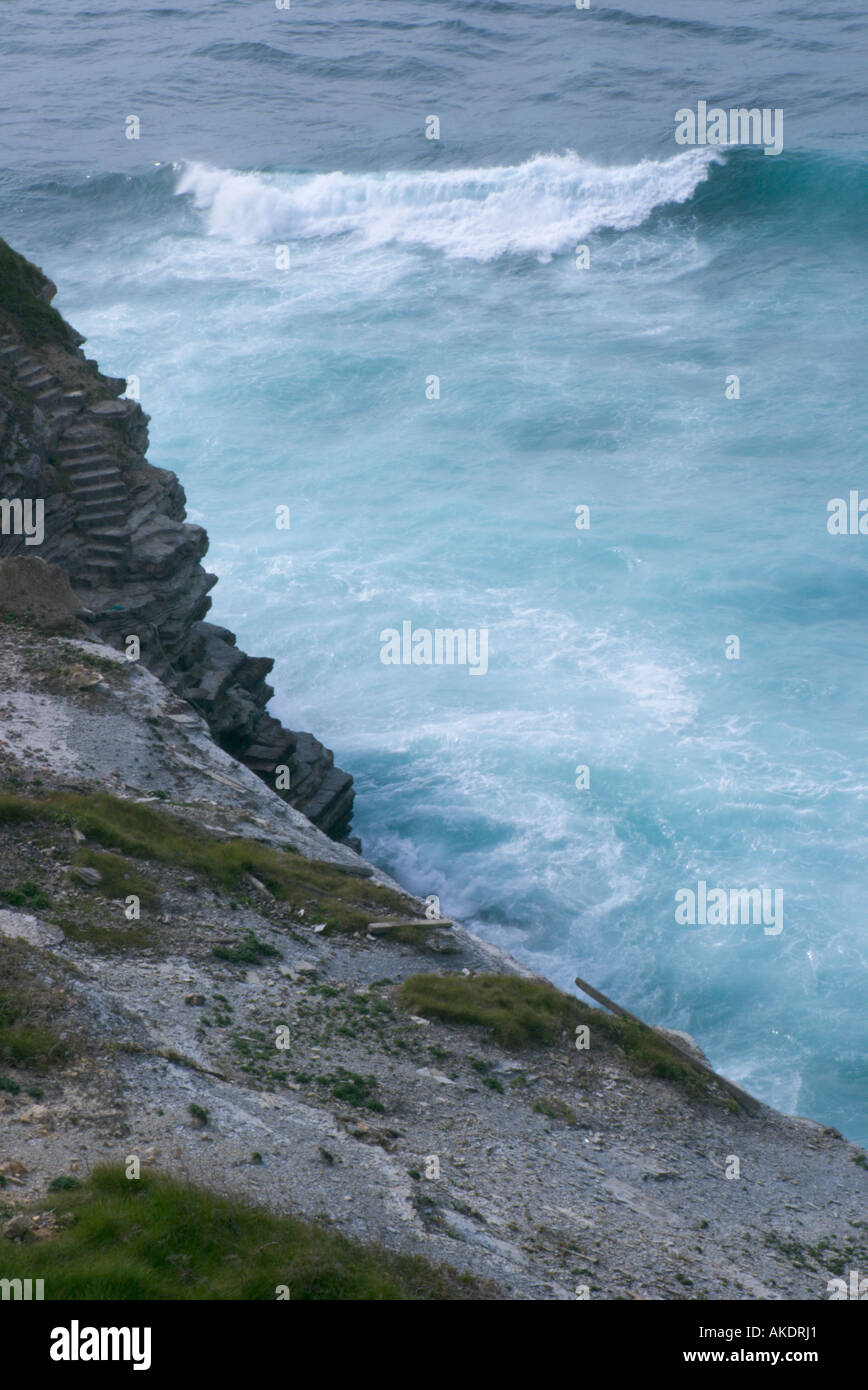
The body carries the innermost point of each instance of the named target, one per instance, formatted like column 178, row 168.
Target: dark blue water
column 559, row 387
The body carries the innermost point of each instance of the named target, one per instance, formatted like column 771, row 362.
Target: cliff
column 198, row 983
column 116, row 525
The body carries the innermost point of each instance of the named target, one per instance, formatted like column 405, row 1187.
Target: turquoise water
column 558, row 388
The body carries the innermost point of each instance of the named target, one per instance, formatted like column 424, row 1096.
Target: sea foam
column 538, row 208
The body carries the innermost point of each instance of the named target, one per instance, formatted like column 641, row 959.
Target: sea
column 437, row 277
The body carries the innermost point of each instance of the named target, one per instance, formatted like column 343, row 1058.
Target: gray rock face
column 30, row 588
column 89, row 876
column 30, row 929
column 115, row 525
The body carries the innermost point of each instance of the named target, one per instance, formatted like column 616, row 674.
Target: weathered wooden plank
column 428, row 922
column 749, row 1102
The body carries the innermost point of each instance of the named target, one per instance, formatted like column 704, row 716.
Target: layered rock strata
column 116, row 525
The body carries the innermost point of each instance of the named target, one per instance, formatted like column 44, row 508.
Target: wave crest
column 537, row 208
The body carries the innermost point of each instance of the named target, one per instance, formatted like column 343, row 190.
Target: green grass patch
column 33, row 1002
column 21, row 1046
column 345, row 903
column 531, row 1013
column 493, row 1084
column 158, row 1238
column 354, row 1089
column 519, row 1013
column 555, row 1109
column 120, row 878
column 110, row 936
column 249, row 951
column 21, row 284
column 27, row 894
column 651, row 1055
column 24, row 1041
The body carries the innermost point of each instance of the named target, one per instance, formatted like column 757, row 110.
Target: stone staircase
column 47, row 392
column 120, row 533
column 99, row 496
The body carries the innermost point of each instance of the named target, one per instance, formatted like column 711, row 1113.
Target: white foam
column 541, row 207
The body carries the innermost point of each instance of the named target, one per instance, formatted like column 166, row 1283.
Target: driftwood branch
column 746, row 1101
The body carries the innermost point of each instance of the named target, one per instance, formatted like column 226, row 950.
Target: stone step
column 112, row 409
column 71, row 448
column 13, row 353
column 85, row 523
column 95, row 475
column 74, row 442
column 107, row 552
column 96, row 562
column 89, row 499
column 112, row 536
column 84, row 432
column 100, row 511
column 116, row 491
column 87, row 502
column 85, row 461
column 36, row 380
column 52, row 394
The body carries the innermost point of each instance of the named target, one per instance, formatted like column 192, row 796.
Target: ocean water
column 559, row 388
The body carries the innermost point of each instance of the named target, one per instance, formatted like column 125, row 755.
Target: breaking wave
column 538, row 208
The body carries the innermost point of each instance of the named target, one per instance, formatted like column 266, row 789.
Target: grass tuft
column 519, row 1013
column 120, row 878
column 346, row 904
column 532, row 1013
column 249, row 951
column 158, row 1238
column 24, row 1040
column 28, row 895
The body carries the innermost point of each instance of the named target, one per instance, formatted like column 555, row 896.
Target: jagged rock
column 41, row 592
column 115, row 526
column 81, row 679
column 17, row 1227
column 89, row 876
